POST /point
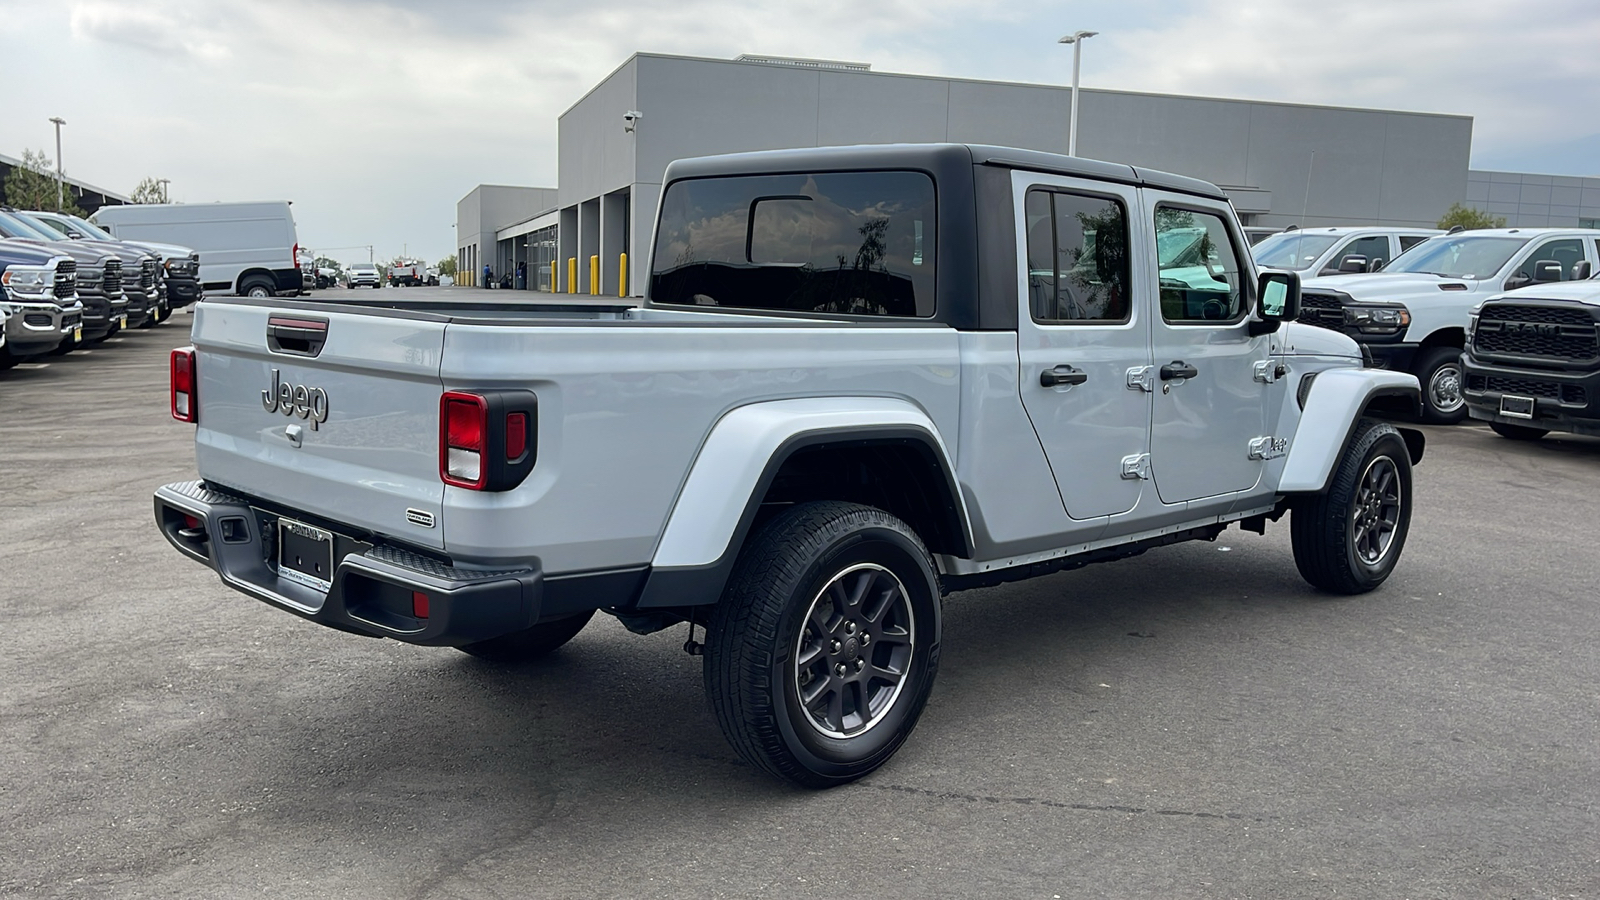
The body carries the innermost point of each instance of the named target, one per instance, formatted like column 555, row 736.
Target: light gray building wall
column 1282, row 163
column 1536, row 200
column 485, row 210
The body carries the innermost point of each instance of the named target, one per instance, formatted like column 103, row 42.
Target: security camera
column 630, row 119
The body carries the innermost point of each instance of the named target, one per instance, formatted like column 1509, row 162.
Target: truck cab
column 1413, row 316
column 1340, row 250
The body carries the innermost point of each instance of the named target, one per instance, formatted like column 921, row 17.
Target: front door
column 1080, row 330
column 1208, row 404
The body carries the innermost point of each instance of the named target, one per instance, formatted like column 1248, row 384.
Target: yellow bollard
column 622, row 276
column 594, row 275
column 555, row 283
column 572, row 274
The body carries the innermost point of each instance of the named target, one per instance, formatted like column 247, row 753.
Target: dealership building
column 1281, row 163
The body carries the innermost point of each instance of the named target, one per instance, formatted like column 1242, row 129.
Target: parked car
column 38, row 288
column 408, row 273
column 179, row 284
column 362, row 275
column 797, row 453
column 1532, row 360
column 1341, row 250
column 98, row 281
column 245, row 248
column 141, row 270
column 1413, row 316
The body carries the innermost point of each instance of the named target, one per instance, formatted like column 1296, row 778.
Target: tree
column 447, row 266
column 1469, row 218
column 149, row 191
column 32, row 185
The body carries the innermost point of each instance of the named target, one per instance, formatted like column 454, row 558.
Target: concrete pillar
column 566, row 246
column 643, row 199
column 588, row 239
column 613, row 240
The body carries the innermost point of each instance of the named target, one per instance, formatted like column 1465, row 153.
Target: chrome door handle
column 1062, row 375
column 1178, row 369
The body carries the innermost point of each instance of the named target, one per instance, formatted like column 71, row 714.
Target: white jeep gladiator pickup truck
column 862, row 378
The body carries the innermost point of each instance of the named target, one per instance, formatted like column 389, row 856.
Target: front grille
column 1567, row 333
column 38, row 320
column 147, row 274
column 1323, row 310
column 111, row 285
column 1523, row 387
column 66, row 283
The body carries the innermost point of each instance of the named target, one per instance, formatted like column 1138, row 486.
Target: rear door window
column 1566, row 251
column 1077, row 258
column 852, row 243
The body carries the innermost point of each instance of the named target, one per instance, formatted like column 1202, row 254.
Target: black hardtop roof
column 936, row 158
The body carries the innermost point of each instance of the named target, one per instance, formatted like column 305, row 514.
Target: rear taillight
column 464, row 423
column 185, row 402
column 297, row 256
column 488, row 440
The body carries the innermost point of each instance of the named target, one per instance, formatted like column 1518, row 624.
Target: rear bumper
column 1562, row 401
column 372, row 585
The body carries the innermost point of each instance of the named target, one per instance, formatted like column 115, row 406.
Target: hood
column 132, row 257
column 84, row 252
column 1297, row 339
column 1388, row 286
column 1585, row 292
column 165, row 251
column 23, row 253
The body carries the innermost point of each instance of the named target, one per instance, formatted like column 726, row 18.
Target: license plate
column 305, row 554
column 1516, row 407
column 77, row 334
column 122, row 320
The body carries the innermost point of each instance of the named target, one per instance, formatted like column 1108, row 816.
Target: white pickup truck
column 862, row 378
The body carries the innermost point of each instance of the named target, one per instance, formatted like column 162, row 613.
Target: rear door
column 1208, row 403
column 348, row 431
column 1079, row 333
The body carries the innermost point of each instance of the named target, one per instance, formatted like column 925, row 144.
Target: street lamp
column 59, row 198
column 1076, row 39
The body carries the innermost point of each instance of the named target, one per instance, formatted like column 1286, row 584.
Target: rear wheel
column 821, row 654
column 532, row 643
column 1518, row 432
column 258, row 288
column 1439, row 370
column 1348, row 539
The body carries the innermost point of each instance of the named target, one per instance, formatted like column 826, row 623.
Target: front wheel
column 821, row 654
column 1439, row 370
column 1348, row 539
column 530, row 643
column 1518, row 432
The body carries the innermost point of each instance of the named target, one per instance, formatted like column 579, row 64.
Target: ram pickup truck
column 1412, row 316
column 861, row 378
column 179, row 281
column 1532, row 362
column 38, row 287
column 1337, row 250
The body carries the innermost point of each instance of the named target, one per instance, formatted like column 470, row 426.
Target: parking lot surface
column 1194, row 722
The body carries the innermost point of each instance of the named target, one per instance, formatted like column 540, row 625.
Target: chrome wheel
column 854, row 652
column 1444, row 388
column 1375, row 514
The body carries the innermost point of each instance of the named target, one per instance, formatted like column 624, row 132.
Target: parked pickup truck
column 862, row 378
column 1412, row 316
column 38, row 288
column 1339, row 250
column 1533, row 361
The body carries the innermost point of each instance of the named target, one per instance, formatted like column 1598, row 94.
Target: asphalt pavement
column 1194, row 722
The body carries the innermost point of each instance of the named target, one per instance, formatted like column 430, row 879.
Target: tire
column 796, row 613
column 1518, row 432
column 1348, row 539
column 529, row 644
column 7, row 361
column 258, row 289
column 1439, row 371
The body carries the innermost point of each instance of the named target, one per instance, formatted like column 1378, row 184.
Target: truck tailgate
column 365, row 457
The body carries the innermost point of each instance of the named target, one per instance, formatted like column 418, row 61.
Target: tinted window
column 1568, row 252
column 1291, row 250
column 1407, row 241
column 1375, row 247
column 849, row 242
column 1077, row 258
column 1200, row 272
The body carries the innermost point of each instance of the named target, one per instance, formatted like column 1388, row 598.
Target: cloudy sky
column 375, row 117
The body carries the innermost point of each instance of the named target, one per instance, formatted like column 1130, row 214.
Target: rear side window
column 855, row 243
column 1077, row 258
column 1371, row 248
column 1407, row 241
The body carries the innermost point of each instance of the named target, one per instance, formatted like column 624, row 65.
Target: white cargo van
column 245, row 248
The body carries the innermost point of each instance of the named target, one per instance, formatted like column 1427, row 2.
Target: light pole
column 1076, row 39
column 59, row 193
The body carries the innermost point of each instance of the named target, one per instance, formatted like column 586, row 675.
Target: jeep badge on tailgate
column 296, row 400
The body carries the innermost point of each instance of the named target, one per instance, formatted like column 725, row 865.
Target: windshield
column 52, row 224
column 15, row 226
column 1463, row 256
column 89, row 229
column 1292, row 250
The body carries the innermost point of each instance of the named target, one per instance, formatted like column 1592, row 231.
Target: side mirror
column 1277, row 301
column 1546, row 270
column 1581, row 270
column 1518, row 281
column 1353, row 263
column 1376, row 264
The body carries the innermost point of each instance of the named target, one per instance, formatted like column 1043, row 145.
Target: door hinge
column 1268, row 371
column 1136, row 467
column 1268, row 447
column 1142, row 378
